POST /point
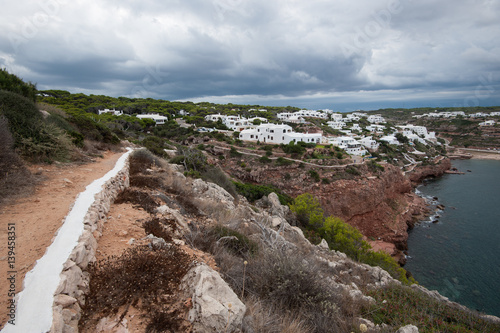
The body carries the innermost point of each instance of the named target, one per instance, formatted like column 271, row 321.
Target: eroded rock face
column 427, row 171
column 215, row 307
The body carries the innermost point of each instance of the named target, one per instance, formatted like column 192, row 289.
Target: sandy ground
column 481, row 155
column 37, row 217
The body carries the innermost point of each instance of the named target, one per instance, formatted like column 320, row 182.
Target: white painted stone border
column 54, row 289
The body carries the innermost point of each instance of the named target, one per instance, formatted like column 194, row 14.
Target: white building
column 114, row 112
column 214, row 117
column 494, row 114
column 336, row 125
column 419, row 130
column 369, row 143
column 159, row 119
column 376, row 128
column 336, row 116
column 350, row 145
column 376, row 119
column 356, row 127
column 277, row 134
column 487, row 123
column 351, row 117
column 390, row 139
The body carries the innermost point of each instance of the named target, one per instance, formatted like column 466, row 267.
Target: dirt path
column 37, row 217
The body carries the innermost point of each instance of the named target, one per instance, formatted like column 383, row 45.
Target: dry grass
column 140, row 277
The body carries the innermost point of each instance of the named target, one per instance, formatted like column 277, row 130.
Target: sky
column 342, row 55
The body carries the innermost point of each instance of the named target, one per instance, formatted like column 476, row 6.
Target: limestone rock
column 216, row 308
column 408, row 329
column 213, row 192
column 165, row 210
column 64, row 300
column 323, row 244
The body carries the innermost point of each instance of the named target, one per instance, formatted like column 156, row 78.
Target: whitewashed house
column 356, row 127
column 350, row 145
column 336, row 116
column 114, row 112
column 375, row 128
column 159, row 119
column 369, row 143
column 214, row 117
column 277, row 134
column 376, row 119
column 494, row 114
column 336, row 125
column 487, row 123
column 351, row 117
column 390, row 139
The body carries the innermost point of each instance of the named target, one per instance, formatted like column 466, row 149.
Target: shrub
column 142, row 159
column 294, row 149
column 242, row 246
column 234, row 153
column 137, row 278
column 404, row 305
column 255, row 192
column 156, row 145
column 265, row 159
column 314, row 175
column 352, row 170
column 12, row 83
column 14, row 176
column 283, row 161
column 217, row 176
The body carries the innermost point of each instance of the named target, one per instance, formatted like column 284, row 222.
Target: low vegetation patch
column 255, row 192
column 405, row 305
column 140, row 277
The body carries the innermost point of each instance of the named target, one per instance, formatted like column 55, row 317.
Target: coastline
column 479, row 154
column 431, row 236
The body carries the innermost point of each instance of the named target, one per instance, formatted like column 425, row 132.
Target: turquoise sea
column 459, row 255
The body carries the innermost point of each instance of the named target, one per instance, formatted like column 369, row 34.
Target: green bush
column 12, row 83
column 265, row 159
column 283, row 161
column 234, row 153
column 241, row 246
column 314, row 175
column 255, row 192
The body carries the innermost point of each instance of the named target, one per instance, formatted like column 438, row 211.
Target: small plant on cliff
column 314, row 175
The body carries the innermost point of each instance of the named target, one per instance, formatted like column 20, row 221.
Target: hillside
column 218, row 234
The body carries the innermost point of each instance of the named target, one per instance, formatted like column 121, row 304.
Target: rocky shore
column 382, row 204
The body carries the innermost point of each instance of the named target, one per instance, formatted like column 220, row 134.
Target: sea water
column 457, row 250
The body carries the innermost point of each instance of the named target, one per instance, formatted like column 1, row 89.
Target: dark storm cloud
column 270, row 51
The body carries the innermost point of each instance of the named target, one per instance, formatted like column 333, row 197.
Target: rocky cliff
column 380, row 202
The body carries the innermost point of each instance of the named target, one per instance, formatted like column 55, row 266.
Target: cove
column 457, row 250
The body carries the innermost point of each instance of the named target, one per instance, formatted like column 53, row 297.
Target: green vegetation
column 241, row 246
column 10, row 82
column 342, row 237
column 255, row 192
column 35, row 139
column 404, row 305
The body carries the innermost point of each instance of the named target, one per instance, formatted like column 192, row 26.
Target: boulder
column 408, row 329
column 215, row 307
column 213, row 192
column 323, row 245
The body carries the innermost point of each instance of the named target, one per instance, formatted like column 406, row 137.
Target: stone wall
column 70, row 294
